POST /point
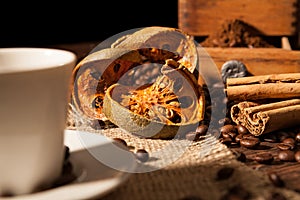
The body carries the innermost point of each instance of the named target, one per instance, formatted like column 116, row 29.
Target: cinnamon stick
column 272, row 86
column 265, row 118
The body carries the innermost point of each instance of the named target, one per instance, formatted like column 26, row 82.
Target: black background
column 51, row 22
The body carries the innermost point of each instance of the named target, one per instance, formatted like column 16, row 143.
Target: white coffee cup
column 34, row 96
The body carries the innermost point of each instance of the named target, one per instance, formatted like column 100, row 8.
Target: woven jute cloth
column 178, row 169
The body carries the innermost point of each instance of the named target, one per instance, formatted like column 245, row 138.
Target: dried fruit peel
column 159, row 109
column 96, row 72
column 134, row 123
column 166, row 38
column 104, row 68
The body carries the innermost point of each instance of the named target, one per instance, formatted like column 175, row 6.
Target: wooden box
column 279, row 18
column 202, row 17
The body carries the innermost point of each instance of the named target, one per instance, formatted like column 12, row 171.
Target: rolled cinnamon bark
column 265, row 118
column 272, row 86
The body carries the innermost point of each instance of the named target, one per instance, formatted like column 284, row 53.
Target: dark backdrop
column 51, row 22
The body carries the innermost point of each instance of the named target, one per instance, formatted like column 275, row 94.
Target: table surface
column 289, row 171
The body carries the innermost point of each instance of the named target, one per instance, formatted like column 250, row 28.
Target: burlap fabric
column 186, row 170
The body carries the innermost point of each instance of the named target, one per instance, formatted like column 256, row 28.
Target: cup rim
column 70, row 57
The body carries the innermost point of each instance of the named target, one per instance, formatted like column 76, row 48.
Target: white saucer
column 99, row 165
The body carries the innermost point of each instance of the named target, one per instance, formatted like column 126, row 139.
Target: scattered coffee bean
column 98, row 124
column 264, row 158
column 241, row 129
column 249, row 135
column 285, row 146
column 232, row 135
column 240, row 156
column 224, row 173
column 275, row 179
column 286, row 155
column 297, row 156
column 142, row 155
column 202, row 129
column 238, row 138
column 226, row 135
column 226, row 141
column 250, row 143
column 289, row 141
column 297, row 137
column 120, row 141
column 227, row 128
column 131, row 148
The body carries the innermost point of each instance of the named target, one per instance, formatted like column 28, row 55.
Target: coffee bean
column 297, row 137
column 142, row 155
column 285, row 146
column 226, row 141
column 232, row 135
column 130, row 148
column 247, row 136
column 297, row 156
column 238, row 138
column 275, row 179
column 240, row 156
column 98, row 124
column 120, row 141
column 250, row 143
column 227, row 128
column 264, row 158
column 242, row 129
column 289, row 141
column 226, row 135
column 286, row 155
column 202, row 129
column 224, row 173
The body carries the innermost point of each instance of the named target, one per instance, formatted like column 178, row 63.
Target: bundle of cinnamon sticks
column 265, row 103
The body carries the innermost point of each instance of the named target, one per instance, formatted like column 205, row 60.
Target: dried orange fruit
column 173, row 104
column 99, row 70
column 127, row 59
column 153, row 72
